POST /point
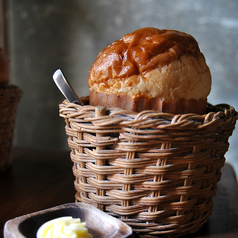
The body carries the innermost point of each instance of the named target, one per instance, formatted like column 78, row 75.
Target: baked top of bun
column 4, row 67
column 152, row 63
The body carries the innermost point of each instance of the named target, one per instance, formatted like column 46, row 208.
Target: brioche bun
column 149, row 68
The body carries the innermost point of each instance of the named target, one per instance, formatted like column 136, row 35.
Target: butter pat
column 63, row 227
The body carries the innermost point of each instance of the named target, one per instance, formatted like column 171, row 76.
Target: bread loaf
column 151, row 69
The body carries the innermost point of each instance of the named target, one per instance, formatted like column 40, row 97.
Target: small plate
column 98, row 223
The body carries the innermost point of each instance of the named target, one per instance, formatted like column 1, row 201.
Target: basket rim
column 216, row 115
column 11, row 90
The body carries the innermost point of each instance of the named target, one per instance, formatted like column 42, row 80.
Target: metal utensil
column 65, row 87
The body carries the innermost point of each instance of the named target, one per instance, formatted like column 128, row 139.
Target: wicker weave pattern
column 9, row 99
column 157, row 172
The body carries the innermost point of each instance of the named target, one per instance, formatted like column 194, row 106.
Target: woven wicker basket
column 9, row 99
column 157, row 172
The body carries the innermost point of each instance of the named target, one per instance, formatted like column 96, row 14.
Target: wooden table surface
column 40, row 179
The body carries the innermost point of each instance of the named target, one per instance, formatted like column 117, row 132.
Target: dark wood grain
column 37, row 180
column 40, row 179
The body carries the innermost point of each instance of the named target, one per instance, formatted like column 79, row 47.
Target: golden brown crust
column 187, row 78
column 149, row 68
column 140, row 51
column 4, row 69
column 139, row 104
